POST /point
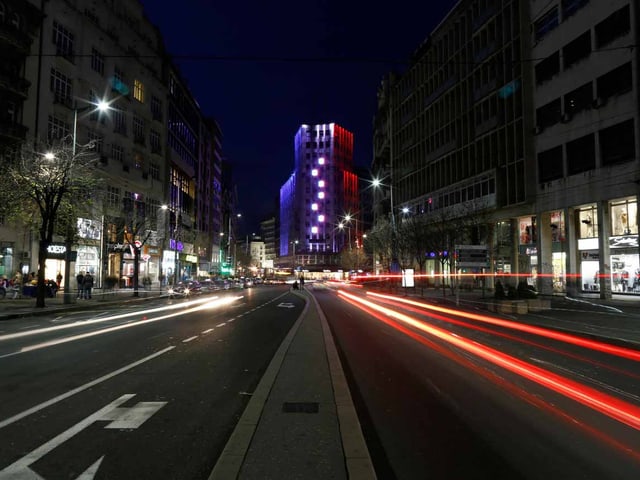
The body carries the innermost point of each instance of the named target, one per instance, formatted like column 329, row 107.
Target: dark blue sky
column 274, row 79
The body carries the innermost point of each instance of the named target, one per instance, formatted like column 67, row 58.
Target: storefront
column 7, row 268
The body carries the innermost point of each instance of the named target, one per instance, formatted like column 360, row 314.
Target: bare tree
column 55, row 182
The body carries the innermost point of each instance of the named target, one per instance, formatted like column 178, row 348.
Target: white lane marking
column 231, row 320
column 221, row 324
column 81, row 388
column 20, row 468
column 121, row 418
column 208, row 330
column 189, row 339
column 126, row 418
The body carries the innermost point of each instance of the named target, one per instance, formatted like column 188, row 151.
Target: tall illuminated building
column 320, row 193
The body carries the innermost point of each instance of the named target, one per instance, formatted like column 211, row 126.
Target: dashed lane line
column 189, row 339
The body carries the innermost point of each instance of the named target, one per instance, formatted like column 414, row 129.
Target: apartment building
column 527, row 110
column 19, row 24
column 586, row 141
column 156, row 153
column 450, row 136
column 321, row 193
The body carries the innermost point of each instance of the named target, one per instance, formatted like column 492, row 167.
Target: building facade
column 156, row 154
column 526, row 114
column 320, row 194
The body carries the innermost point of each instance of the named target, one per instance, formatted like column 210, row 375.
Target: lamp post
column 164, row 209
column 101, row 106
column 294, row 243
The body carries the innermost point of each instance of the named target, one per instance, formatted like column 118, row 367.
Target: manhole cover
column 300, row 407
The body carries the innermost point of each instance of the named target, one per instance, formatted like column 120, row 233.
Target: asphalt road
column 149, row 392
column 472, row 402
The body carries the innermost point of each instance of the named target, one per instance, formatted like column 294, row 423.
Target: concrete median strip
column 354, row 449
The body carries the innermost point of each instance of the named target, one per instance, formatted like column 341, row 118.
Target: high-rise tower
column 321, row 192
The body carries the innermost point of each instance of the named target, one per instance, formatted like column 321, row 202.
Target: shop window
column 617, row 143
column 588, row 222
column 577, row 49
column 614, row 26
column 581, row 155
column 550, row 164
column 623, row 218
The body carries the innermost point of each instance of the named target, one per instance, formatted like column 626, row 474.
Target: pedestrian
column 59, row 280
column 301, row 282
column 80, row 280
column 87, row 285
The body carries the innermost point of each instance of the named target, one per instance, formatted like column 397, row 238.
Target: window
column 63, row 40
column 15, row 21
column 550, row 164
column 615, row 82
column 578, row 99
column 156, row 108
column 617, row 143
column 61, row 87
column 113, row 196
column 549, row 114
column 588, row 222
column 138, row 90
column 614, row 26
column 581, row 155
column 119, row 121
column 97, row 140
column 154, row 141
column 570, row 7
column 577, row 49
column 547, row 68
column 138, row 130
column 56, row 128
column 623, row 218
column 138, row 160
column 117, row 153
column 545, row 24
column 97, row 61
column 154, row 170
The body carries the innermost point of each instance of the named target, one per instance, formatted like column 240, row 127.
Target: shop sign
column 624, row 241
column 116, row 247
column 524, row 250
column 190, row 258
column 57, row 251
column 590, row 255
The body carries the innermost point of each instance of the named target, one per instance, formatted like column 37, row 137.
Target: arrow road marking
column 286, row 305
column 131, row 417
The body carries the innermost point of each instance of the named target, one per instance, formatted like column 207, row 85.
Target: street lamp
column 294, row 243
column 164, row 209
column 101, row 106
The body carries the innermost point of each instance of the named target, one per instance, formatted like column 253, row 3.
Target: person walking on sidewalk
column 87, row 285
column 80, row 280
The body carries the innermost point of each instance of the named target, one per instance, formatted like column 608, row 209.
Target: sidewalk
column 300, row 421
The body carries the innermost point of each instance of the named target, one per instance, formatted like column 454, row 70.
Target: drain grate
column 300, row 407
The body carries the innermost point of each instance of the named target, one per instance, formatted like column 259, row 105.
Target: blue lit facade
column 322, row 190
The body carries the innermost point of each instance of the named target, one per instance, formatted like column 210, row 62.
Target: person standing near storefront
column 87, row 285
column 80, row 280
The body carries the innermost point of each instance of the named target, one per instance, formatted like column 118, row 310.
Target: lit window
column 321, row 183
column 320, row 194
column 314, row 172
column 314, row 207
column 314, row 229
column 138, row 90
column 321, row 218
column 321, row 161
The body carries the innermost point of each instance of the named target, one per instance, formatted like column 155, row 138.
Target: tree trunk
column 40, row 289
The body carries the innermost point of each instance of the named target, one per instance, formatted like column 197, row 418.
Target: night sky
column 264, row 68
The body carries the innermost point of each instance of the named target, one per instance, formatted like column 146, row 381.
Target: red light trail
column 608, row 405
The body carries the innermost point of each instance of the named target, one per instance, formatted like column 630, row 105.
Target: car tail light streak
column 543, row 332
column 608, row 405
